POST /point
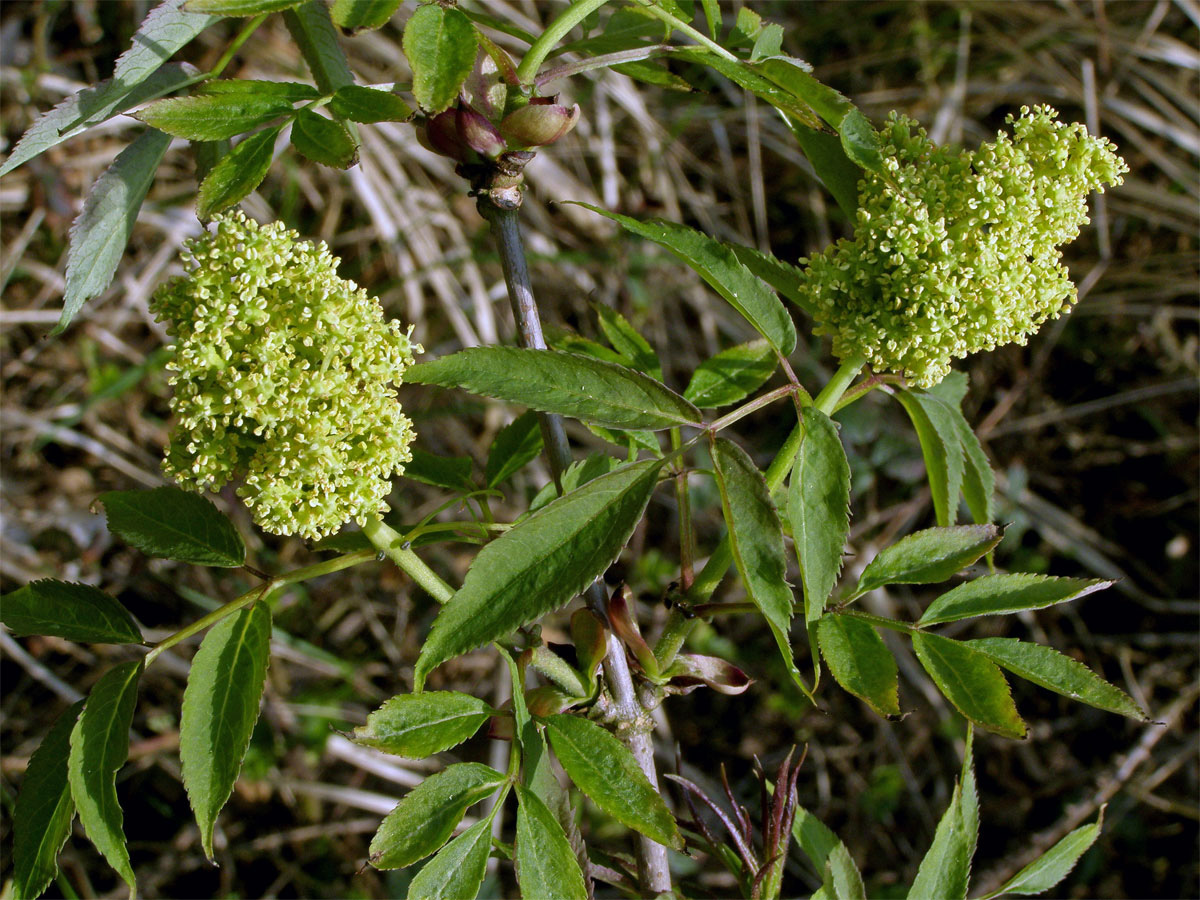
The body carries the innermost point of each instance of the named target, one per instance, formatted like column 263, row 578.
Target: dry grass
column 1092, row 429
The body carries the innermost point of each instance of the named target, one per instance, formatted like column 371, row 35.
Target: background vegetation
column 1092, row 430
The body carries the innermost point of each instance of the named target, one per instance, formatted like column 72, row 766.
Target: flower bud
column 541, row 122
column 478, row 133
column 440, row 135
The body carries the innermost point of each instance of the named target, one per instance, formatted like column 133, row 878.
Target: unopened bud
column 539, row 123
column 478, row 133
column 440, row 135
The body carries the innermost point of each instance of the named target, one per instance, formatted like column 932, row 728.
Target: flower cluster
column 284, row 377
column 956, row 251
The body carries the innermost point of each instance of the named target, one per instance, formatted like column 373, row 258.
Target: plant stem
column 259, row 592
column 236, row 44
column 392, row 544
column 555, row 32
column 679, row 25
column 683, row 503
column 753, row 406
column 828, row 399
column 635, row 723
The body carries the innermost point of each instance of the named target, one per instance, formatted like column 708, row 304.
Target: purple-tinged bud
column 478, row 133
column 539, row 123
column 440, row 135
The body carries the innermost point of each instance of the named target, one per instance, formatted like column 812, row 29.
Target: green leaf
column 313, row 31
column 756, row 539
column 99, row 746
column 419, row 725
column 626, row 340
column 929, row 556
column 564, row 383
column 788, row 280
column 941, row 448
column 970, row 681
column 858, row 138
column 712, row 17
column 842, row 876
column 717, row 265
column 979, row 482
column 238, row 7
column 363, row 15
column 426, row 817
column 732, row 375
column 860, row 661
column 165, row 30
column 604, row 769
column 541, row 562
column 829, row 160
column 819, row 508
column 288, row 92
column 813, row 837
column 213, row 117
column 440, row 45
column 748, row 76
column 1050, row 669
column 546, row 864
column 175, row 524
column 577, row 474
column 570, row 342
column 220, row 706
column 91, row 106
column 77, row 612
column 364, row 104
column 41, row 820
column 517, row 443
column 450, row 472
column 456, row 873
column 1054, row 865
column 993, row 595
column 99, row 235
column 323, row 140
column 239, row 172
column 946, row 868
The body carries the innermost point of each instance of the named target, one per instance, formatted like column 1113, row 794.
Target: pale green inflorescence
column 284, row 378
column 957, row 251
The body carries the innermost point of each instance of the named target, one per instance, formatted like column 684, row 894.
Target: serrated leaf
column 1052, row 866
column 517, row 443
column 220, row 706
column 829, row 160
column 720, row 269
column 842, row 877
column 313, row 31
column 541, row 562
column 99, row 747
column 450, row 472
column 91, row 106
column 756, row 539
column 456, row 873
column 165, row 30
column 929, row 556
column 1054, row 671
column 323, row 140
column 604, row 769
column 174, row 524
column 288, row 92
column 993, row 595
column 860, row 662
column 570, row 342
column 941, row 448
column 419, row 725
column 577, row 474
column 99, row 235
column 424, row 820
column 945, row 869
column 732, row 375
column 819, row 508
column 813, row 837
column 564, row 383
column 363, row 15
column 440, row 44
column 783, row 277
column 41, row 820
column 748, row 76
column 364, row 104
column 77, row 612
column 238, row 7
column 213, row 117
column 970, row 681
column 626, row 340
column 979, row 482
column 546, row 864
column 239, row 172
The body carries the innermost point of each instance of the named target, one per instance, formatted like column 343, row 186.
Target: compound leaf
column 239, row 172
column 77, row 612
column 174, row 524
column 732, row 375
column 456, row 873
column 860, row 662
column 364, row 104
column 440, row 44
column 992, row 595
column 819, row 508
column 546, row 864
column 323, row 140
column 517, row 443
column 970, row 681
column 418, row 725
column 313, row 31
column 214, row 116
column 929, row 556
column 1054, row 865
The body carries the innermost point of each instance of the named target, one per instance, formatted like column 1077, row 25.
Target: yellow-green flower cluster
column 956, row 251
column 284, row 378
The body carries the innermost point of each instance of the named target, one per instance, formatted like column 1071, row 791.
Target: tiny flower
column 284, row 378
column 957, row 252
column 542, row 122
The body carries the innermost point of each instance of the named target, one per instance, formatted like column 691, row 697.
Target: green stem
column 242, row 36
column 392, row 544
column 555, row 32
column 679, row 25
column 683, row 502
column 753, row 406
column 259, row 592
column 828, row 399
column 880, row 621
